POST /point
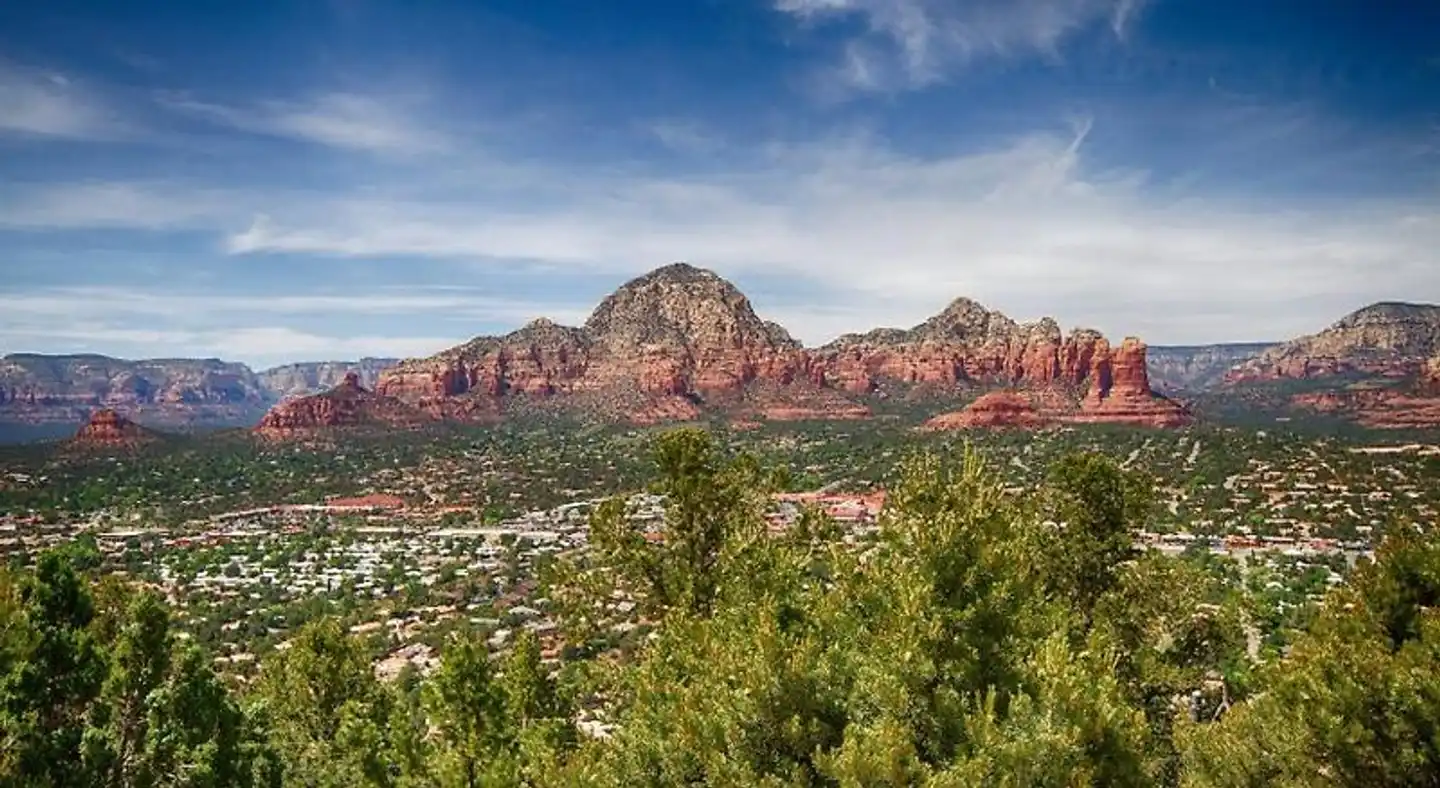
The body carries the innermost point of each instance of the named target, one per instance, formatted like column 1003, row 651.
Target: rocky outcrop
column 1120, row 391
column 966, row 344
column 995, row 410
column 656, row 349
column 313, row 377
column 107, row 429
column 38, row 389
column 1178, row 368
column 1383, row 404
column 681, row 340
column 1386, row 340
column 348, row 405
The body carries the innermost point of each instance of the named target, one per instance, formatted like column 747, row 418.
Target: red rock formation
column 998, row 409
column 1120, row 391
column 345, row 406
column 963, row 345
column 108, row 429
column 674, row 337
column 1384, row 405
column 680, row 339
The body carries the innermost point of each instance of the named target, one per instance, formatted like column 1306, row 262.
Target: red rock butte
column 1119, row 393
column 107, row 428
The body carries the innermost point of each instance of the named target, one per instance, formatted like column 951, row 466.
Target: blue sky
column 280, row 181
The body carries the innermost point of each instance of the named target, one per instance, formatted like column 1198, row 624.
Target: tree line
column 976, row 638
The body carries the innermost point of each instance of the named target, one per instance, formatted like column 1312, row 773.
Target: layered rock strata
column 348, row 405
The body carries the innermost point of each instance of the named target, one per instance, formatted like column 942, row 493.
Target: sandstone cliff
column 1377, row 407
column 681, row 340
column 348, row 405
column 1119, row 393
column 37, row 389
column 964, row 344
column 656, row 349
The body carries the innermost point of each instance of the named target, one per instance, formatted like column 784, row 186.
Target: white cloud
column 259, row 346
column 62, row 303
column 348, row 121
column 870, row 235
column 48, row 104
column 109, row 205
column 914, row 43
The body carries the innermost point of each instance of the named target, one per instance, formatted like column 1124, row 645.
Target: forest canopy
column 976, row 637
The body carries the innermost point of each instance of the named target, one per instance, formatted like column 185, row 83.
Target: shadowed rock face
column 348, row 405
column 680, row 339
column 1120, row 391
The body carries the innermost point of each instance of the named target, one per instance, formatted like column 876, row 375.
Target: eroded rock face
column 346, row 405
column 674, row 337
column 39, row 388
column 108, row 429
column 965, row 344
column 680, row 340
column 1430, row 375
column 1120, row 391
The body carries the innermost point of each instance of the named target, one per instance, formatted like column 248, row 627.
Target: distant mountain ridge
column 38, row 390
column 1177, row 368
column 1389, row 338
column 681, row 340
column 311, row 377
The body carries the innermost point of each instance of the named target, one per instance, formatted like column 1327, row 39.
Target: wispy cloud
column 684, row 136
column 348, row 121
column 262, row 330
column 911, row 44
column 154, row 205
column 259, row 345
column 1032, row 226
column 121, row 302
column 41, row 103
